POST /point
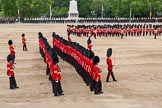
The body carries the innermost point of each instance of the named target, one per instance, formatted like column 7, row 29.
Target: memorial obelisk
column 73, row 9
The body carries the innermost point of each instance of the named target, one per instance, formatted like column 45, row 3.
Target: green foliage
column 9, row 8
column 86, row 8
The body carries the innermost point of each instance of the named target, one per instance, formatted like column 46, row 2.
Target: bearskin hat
column 23, row 35
column 68, row 33
column 89, row 41
column 109, row 52
column 10, row 42
column 85, row 53
column 48, row 47
column 96, row 60
column 51, row 52
column 55, row 59
column 91, row 55
column 53, row 34
column 94, row 27
column 9, row 58
column 40, row 35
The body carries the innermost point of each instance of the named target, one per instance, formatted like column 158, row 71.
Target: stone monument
column 73, row 9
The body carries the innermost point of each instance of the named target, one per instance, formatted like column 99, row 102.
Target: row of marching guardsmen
column 52, row 60
column 83, row 60
column 116, row 30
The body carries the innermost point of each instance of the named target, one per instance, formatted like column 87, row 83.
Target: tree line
column 86, row 8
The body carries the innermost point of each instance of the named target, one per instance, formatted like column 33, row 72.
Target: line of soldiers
column 80, row 20
column 115, row 30
column 83, row 60
column 10, row 66
column 52, row 69
column 118, row 20
column 7, row 20
column 48, row 20
column 90, row 20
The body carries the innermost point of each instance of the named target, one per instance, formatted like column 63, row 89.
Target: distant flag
column 50, row 11
column 150, row 10
column 18, row 12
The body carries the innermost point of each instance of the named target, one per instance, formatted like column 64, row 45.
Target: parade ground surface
column 138, row 65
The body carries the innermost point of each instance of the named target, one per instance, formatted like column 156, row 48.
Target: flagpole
column 19, row 19
column 150, row 10
column 50, row 11
column 19, row 15
column 102, row 11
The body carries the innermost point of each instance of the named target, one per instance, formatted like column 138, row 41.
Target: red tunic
column 90, row 46
column 96, row 73
column 69, row 38
column 23, row 41
column 55, row 73
column 90, row 68
column 10, row 71
column 109, row 63
column 12, row 51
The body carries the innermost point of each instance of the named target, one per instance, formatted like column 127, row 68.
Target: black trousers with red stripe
column 13, row 83
column 110, row 72
column 98, row 87
column 56, row 87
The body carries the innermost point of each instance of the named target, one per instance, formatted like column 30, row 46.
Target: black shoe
column 61, row 94
column 101, row 92
column 97, row 93
column 17, row 87
column 91, row 90
column 57, row 95
column 115, row 80
column 107, row 81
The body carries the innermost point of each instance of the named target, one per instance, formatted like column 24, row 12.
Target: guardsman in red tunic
column 109, row 66
column 69, row 37
column 10, row 72
column 90, row 70
column 155, row 33
column 12, row 50
column 89, row 43
column 97, row 76
column 24, row 42
column 56, row 78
